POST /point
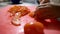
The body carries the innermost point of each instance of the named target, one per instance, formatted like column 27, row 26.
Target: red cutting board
column 7, row 28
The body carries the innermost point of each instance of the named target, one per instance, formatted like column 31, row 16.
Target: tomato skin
column 34, row 28
column 16, row 23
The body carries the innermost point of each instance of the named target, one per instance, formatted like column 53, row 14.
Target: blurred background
column 24, row 2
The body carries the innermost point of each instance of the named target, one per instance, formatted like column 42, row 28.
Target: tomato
column 17, row 12
column 22, row 9
column 34, row 28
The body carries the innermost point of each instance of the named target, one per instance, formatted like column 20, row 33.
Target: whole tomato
column 34, row 28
